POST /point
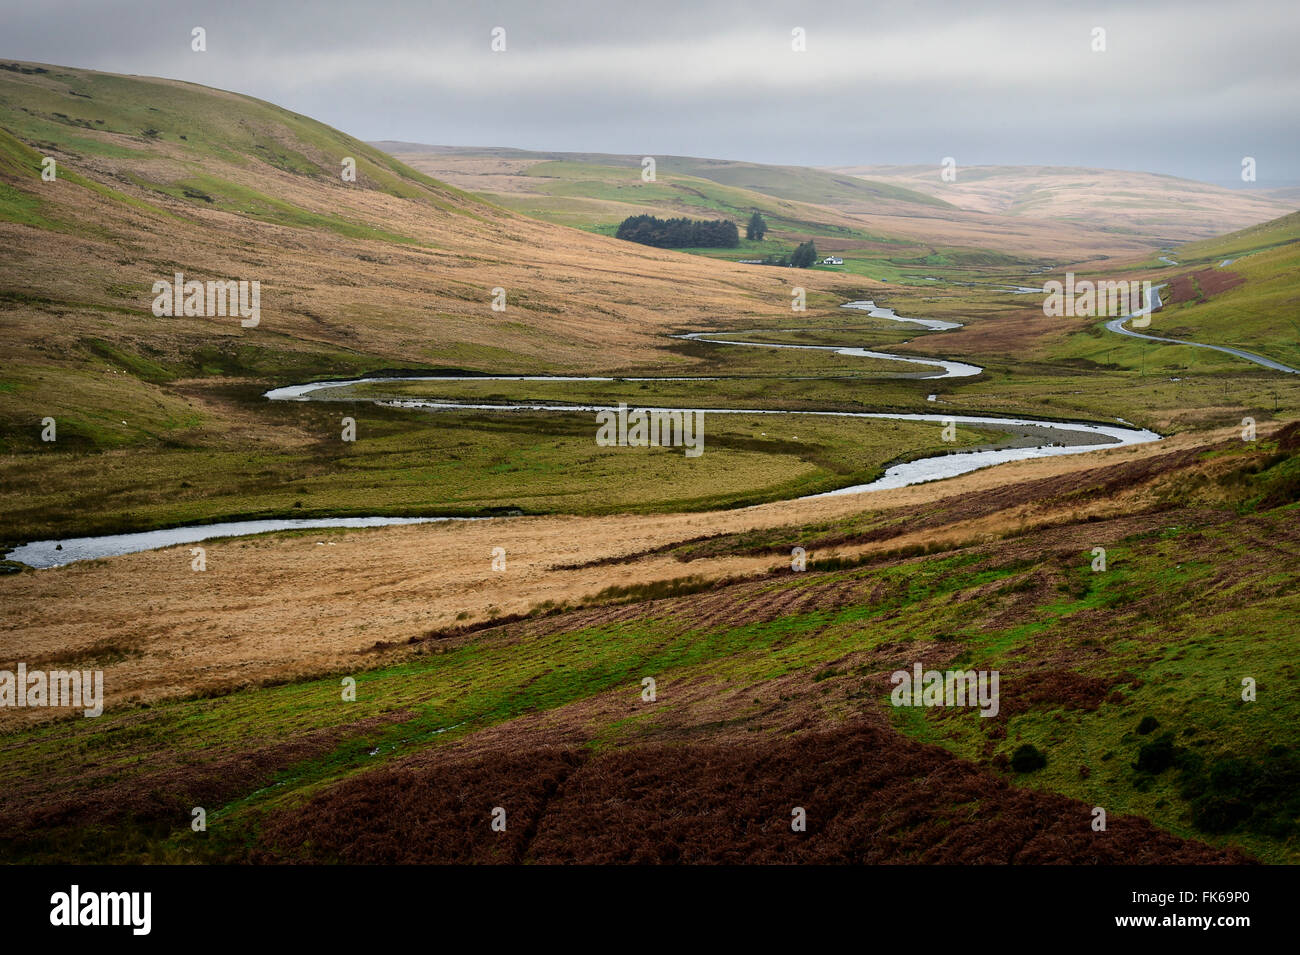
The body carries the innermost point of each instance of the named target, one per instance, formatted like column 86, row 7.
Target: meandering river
column 1031, row 438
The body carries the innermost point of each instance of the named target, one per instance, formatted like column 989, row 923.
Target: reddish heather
column 870, row 795
column 1202, row 284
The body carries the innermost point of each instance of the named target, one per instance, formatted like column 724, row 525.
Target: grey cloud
column 1185, row 88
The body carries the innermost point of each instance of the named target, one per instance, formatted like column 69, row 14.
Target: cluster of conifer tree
column 679, row 233
column 804, row 255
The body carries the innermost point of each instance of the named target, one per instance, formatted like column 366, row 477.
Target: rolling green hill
column 797, row 183
column 863, row 222
column 86, row 115
column 1266, row 235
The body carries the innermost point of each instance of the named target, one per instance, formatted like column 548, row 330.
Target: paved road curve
column 1154, row 302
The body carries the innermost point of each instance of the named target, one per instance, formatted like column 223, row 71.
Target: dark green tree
column 679, row 233
column 757, row 228
column 804, row 256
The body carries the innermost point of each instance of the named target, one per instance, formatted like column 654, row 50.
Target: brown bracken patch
column 869, row 794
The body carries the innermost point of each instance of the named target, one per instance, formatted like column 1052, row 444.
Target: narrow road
column 1153, row 302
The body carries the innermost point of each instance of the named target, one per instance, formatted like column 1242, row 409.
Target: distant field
column 1241, row 290
column 888, row 230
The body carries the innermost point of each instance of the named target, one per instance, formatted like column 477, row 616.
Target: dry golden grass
column 574, row 300
column 278, row 607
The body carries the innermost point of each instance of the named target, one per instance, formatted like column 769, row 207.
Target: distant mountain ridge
column 1180, row 209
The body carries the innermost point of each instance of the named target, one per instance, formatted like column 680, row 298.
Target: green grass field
column 458, row 463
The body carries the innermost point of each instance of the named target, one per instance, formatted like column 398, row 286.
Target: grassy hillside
column 157, row 175
column 798, row 183
column 1242, row 290
column 1273, row 234
column 883, row 230
column 394, row 270
column 795, row 183
column 597, row 192
column 1127, row 680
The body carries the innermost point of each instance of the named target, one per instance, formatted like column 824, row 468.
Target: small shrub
column 1157, row 756
column 1258, row 793
column 1027, row 759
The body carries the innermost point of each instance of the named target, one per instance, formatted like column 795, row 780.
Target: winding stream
column 1037, row 438
column 1031, row 439
column 56, row 553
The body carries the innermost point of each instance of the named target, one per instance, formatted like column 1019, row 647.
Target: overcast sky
column 1186, row 88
